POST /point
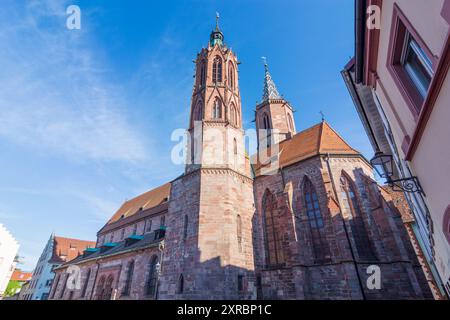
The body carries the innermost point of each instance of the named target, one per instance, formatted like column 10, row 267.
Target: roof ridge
column 339, row 136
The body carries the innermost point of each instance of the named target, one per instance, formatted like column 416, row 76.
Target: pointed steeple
column 216, row 35
column 270, row 90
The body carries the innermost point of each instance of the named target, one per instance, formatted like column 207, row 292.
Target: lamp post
column 384, row 166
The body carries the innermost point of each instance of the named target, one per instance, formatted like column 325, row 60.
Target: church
column 302, row 219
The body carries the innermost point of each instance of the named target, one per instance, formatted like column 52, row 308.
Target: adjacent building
column 401, row 88
column 57, row 251
column 307, row 222
column 18, row 279
column 8, row 253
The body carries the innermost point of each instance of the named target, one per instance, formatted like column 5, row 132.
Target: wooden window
column 410, row 62
column 129, row 279
column 274, row 250
column 356, row 220
column 217, row 70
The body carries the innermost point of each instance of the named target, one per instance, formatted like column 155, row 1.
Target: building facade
column 16, row 282
column 399, row 83
column 8, row 252
column 57, row 251
column 302, row 219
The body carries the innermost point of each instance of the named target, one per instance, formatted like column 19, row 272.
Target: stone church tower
column 209, row 250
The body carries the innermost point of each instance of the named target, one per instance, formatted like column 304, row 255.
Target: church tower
column 274, row 115
column 216, row 138
column 209, row 246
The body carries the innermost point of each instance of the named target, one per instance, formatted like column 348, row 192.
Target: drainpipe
column 161, row 256
column 361, row 286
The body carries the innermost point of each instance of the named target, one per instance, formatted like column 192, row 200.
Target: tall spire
column 217, row 35
column 270, row 90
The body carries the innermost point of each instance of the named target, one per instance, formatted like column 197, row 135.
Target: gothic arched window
column 266, row 122
column 129, row 279
column 86, row 282
column 108, row 290
column 100, row 288
column 217, row 109
column 152, row 276
column 315, row 220
column 357, row 226
column 202, row 73
column 231, row 75
column 233, row 115
column 274, row 250
column 217, row 70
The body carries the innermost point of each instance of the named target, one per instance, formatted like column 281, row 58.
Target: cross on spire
column 217, row 20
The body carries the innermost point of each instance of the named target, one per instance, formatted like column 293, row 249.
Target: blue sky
column 86, row 115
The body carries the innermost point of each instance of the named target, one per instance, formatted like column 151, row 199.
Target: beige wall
column 431, row 163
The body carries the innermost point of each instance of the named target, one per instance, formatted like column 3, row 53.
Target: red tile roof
column 19, row 275
column 144, row 201
column 66, row 249
column 317, row 140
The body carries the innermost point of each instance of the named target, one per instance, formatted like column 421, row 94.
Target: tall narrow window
column 202, row 73
column 108, row 289
column 231, row 75
column 291, row 122
column 86, row 283
column 163, row 221
column 149, row 225
column 239, row 231
column 181, row 284
column 357, row 226
column 274, row 251
column 217, row 70
column 134, row 229
column 129, row 279
column 240, row 283
column 186, row 224
column 232, row 115
column 197, row 114
column 100, row 288
column 315, row 220
column 217, row 109
column 152, row 276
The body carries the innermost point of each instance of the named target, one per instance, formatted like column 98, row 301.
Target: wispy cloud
column 55, row 95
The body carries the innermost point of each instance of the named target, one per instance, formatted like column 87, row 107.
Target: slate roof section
column 148, row 240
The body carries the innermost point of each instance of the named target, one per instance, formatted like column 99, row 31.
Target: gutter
column 360, row 35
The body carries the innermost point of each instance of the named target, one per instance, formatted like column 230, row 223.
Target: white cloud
column 54, row 89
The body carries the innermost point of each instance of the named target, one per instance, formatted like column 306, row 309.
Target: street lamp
column 384, row 166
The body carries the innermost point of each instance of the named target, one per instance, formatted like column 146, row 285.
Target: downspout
column 327, row 159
